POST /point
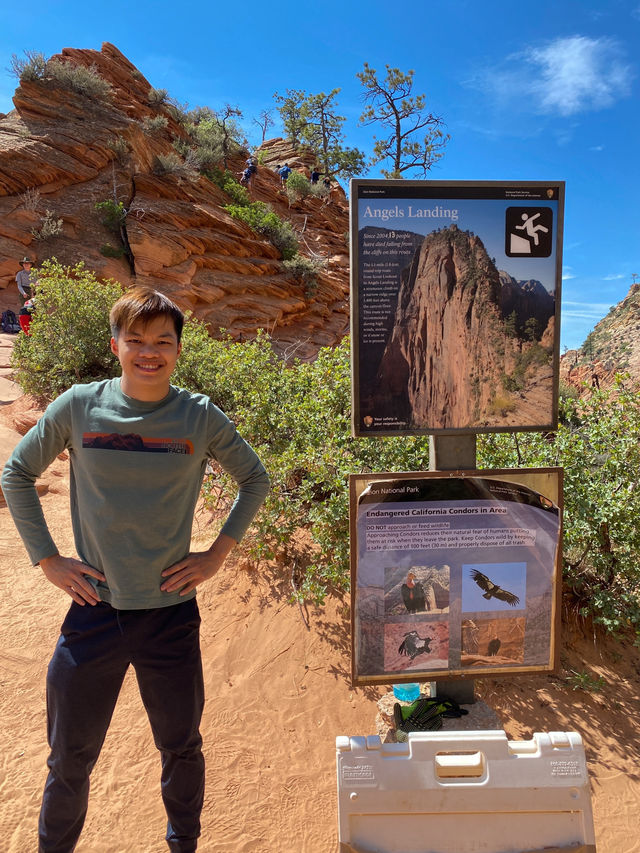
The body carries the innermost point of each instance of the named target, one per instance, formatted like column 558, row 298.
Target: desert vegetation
column 297, row 416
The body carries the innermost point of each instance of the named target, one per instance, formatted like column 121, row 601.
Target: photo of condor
column 413, row 594
column 414, row 645
column 492, row 590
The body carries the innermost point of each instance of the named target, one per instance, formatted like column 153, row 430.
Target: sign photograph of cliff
column 453, row 574
column 455, row 293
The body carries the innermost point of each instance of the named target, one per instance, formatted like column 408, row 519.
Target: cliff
column 63, row 152
column 455, row 350
column 612, row 347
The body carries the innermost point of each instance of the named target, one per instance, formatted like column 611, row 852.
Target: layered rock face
column 64, row 152
column 450, row 345
column 612, row 347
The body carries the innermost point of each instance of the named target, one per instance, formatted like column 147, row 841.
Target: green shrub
column 233, row 188
column 78, row 78
column 154, row 124
column 69, row 333
column 172, row 164
column 32, row 67
column 110, row 251
column 49, row 226
column 298, row 187
column 305, row 270
column 120, row 147
column 157, row 97
column 112, row 214
column 297, row 416
column 261, row 218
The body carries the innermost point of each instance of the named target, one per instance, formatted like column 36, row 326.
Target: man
column 23, row 279
column 138, row 448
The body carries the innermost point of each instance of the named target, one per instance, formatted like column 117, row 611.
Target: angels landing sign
column 455, row 293
column 454, row 575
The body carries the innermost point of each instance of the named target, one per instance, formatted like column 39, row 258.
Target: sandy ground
column 278, row 694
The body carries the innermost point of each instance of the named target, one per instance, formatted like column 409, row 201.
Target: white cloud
column 613, row 277
column 597, row 148
column 566, row 76
column 592, row 311
column 567, row 273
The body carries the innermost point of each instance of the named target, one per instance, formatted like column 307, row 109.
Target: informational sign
column 455, row 293
column 454, row 575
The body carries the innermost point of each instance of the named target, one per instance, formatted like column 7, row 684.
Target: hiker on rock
column 25, row 279
column 138, row 450
column 284, row 173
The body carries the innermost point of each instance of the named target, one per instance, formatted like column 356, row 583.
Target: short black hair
column 144, row 304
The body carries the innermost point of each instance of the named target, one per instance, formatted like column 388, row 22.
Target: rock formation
column 451, row 347
column 612, row 347
column 528, row 299
column 63, row 152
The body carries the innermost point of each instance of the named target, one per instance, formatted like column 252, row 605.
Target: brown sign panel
column 454, row 575
column 455, row 293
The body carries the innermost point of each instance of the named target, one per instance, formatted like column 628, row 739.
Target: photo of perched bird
column 414, row 645
column 413, row 594
column 494, row 646
column 492, row 590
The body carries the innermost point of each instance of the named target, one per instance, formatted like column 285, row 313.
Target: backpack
column 10, row 322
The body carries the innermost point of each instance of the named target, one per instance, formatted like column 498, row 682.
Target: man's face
column 148, row 355
column 26, row 266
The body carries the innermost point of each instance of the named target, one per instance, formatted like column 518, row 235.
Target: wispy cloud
column 613, row 276
column 596, row 148
column 592, row 311
column 565, row 76
column 567, row 273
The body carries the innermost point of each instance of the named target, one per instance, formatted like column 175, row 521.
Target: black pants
column 94, row 651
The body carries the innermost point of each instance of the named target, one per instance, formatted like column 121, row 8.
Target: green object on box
column 425, row 714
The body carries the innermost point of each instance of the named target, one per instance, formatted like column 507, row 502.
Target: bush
column 50, row 226
column 112, row 214
column 263, row 220
column 297, row 416
column 33, row 67
column 78, row 78
column 30, row 199
column 120, row 148
column 154, row 124
column 297, row 187
column 229, row 185
column 69, row 333
column 598, row 444
column 305, row 270
column 110, row 251
column 157, row 97
column 172, row 164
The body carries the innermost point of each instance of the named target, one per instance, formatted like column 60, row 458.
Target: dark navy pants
column 95, row 648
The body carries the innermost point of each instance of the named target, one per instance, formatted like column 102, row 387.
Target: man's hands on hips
column 69, row 574
column 197, row 566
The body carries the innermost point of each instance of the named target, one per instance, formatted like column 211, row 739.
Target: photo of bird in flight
column 492, row 590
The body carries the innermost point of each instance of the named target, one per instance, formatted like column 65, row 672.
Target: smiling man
column 138, row 449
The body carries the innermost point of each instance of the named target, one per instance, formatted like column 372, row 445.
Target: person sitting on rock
column 315, row 176
column 26, row 284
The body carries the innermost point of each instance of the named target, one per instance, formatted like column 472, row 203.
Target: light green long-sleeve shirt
column 136, row 472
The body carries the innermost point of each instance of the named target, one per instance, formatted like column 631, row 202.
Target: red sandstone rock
column 182, row 240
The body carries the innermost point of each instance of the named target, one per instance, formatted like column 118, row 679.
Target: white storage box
column 464, row 792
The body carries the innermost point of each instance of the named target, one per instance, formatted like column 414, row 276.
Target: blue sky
column 529, row 91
